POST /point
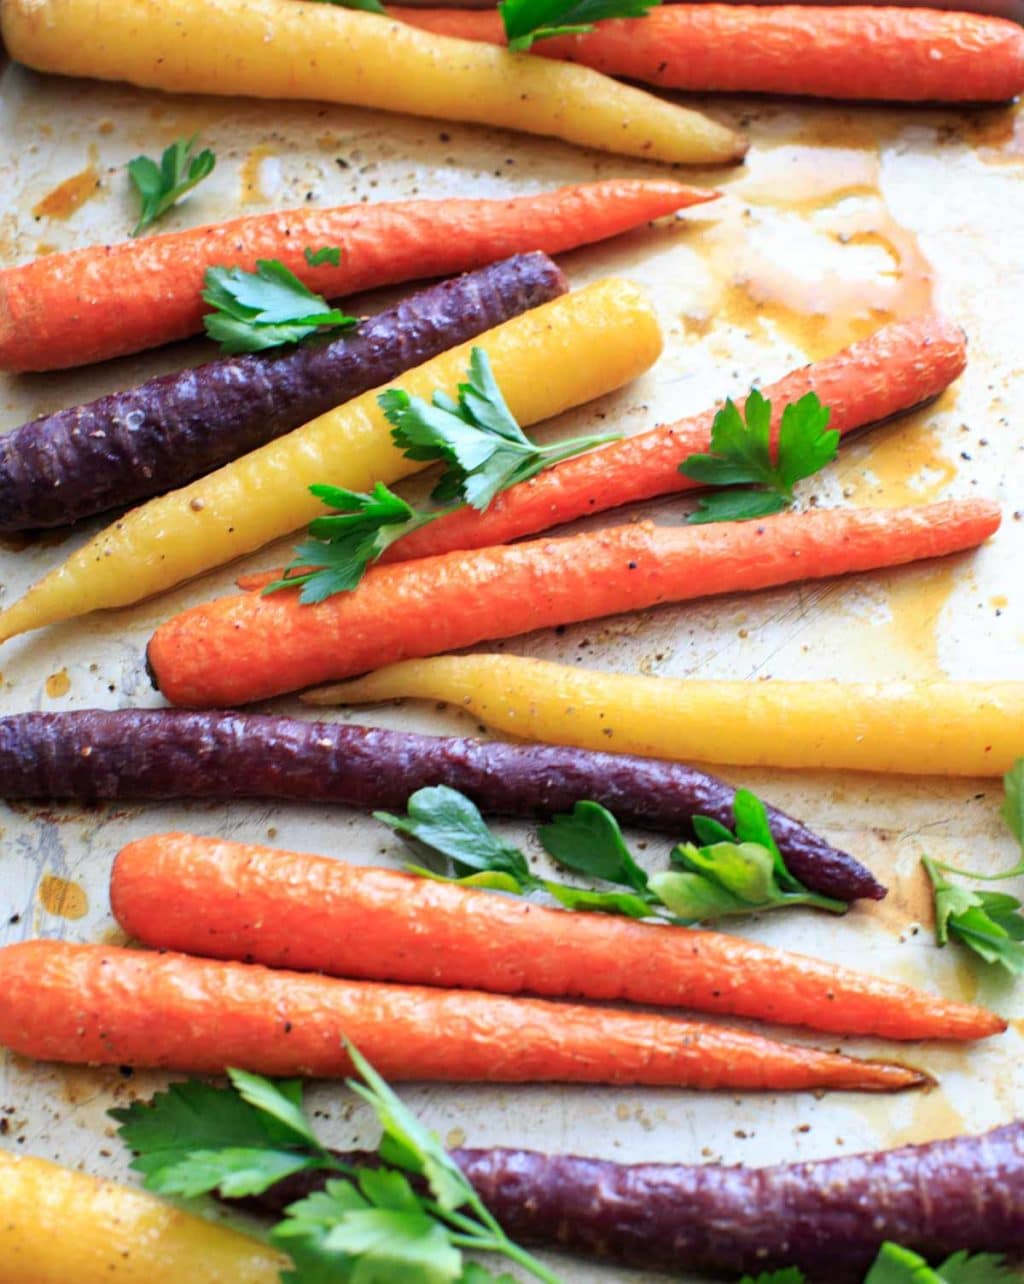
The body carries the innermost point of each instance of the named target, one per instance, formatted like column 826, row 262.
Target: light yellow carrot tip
column 566, row 352
column 283, row 49
column 912, row 728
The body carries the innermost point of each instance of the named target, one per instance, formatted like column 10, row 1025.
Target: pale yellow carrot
column 63, row 1227
column 284, row 49
column 559, row 355
column 917, row 728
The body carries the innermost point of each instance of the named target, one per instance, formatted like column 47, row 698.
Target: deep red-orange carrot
column 232, row 900
column 100, row 1005
column 251, row 647
column 891, row 54
column 105, row 301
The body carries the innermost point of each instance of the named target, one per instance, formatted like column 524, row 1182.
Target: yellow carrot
column 284, row 49
column 917, row 728
column 559, row 355
column 60, row 1226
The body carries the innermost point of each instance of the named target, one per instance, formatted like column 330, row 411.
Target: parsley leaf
column 897, row 1265
column 789, row 1275
column 161, row 186
column 476, row 436
column 741, row 455
column 344, row 544
column 264, row 309
column 326, row 254
column 529, row 20
column 982, row 1268
column 589, row 841
column 367, row 6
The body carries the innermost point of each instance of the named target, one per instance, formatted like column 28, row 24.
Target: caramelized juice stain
column 58, row 684
column 62, row 897
column 72, row 194
column 932, row 1119
column 254, row 176
column 902, row 464
column 998, row 137
column 915, row 602
column 806, row 247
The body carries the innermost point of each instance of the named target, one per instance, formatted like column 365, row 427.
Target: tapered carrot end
column 885, row 1076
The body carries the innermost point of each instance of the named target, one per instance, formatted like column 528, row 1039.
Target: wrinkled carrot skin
column 233, row 900
column 250, row 647
column 102, row 1005
column 899, row 367
column 106, row 301
column 889, row 54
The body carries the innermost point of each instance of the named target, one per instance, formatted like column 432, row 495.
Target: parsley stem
column 560, row 450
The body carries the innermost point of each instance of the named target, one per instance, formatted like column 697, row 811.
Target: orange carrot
column 105, row 301
column 239, row 901
column 100, row 1005
column 250, row 647
column 895, row 369
column 892, row 54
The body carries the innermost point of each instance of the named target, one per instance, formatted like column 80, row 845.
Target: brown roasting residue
column 62, row 897
column 72, row 194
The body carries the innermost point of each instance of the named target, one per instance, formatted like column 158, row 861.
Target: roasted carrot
column 60, row 1226
column 105, row 301
column 916, row 728
column 101, row 1005
column 899, row 367
column 565, row 352
column 250, row 647
column 855, row 51
column 311, row 913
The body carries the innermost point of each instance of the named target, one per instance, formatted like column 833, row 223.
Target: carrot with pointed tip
column 233, row 900
column 102, row 1005
column 901, row 366
column 105, row 301
column 251, row 647
column 847, row 51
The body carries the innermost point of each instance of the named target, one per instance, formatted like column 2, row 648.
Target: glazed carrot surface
column 915, row 728
column 848, row 51
column 142, row 293
column 233, row 900
column 899, row 367
column 102, row 1005
column 577, row 347
column 250, row 647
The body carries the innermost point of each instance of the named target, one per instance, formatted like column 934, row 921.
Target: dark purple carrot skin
column 828, row 1217
column 130, row 445
column 177, row 753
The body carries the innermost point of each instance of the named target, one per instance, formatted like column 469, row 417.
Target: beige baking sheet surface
column 843, row 218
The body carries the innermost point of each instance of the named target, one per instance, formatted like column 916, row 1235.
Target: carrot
column 917, row 728
column 102, row 1005
column 105, row 301
column 282, row 49
column 895, row 369
column 565, row 352
column 60, row 1226
column 250, row 647
column 239, row 901
column 892, row 54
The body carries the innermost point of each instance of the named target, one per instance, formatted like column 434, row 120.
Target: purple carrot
column 176, row 753
column 129, row 445
column 828, row 1217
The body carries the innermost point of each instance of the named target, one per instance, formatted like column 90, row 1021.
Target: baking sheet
column 843, row 218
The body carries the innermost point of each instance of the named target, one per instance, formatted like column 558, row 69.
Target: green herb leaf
column 741, row 455
column 446, row 823
column 989, row 923
column 529, row 20
column 233, row 1173
column 591, row 902
column 896, row 1265
column 344, row 544
column 789, row 1275
column 264, row 309
column 589, row 841
column 326, row 254
column 485, row 451
column 161, row 186
column 367, row 6
column 1013, row 805
column 282, row 1101
column 982, row 1268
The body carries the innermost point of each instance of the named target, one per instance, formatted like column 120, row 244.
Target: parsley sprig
column 732, row 873
column 161, row 185
column 741, row 455
column 325, row 254
column 410, row 1219
column 264, row 309
column 483, row 450
column 528, row 20
column 989, row 923
column 897, row 1265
